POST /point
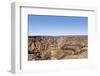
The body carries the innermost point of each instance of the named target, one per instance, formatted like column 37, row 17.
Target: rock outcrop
column 55, row 47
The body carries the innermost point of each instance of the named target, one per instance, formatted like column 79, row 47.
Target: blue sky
column 57, row 25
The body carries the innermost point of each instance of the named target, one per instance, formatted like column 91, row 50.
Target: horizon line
column 56, row 35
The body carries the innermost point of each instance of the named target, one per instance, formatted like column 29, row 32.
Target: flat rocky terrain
column 57, row 47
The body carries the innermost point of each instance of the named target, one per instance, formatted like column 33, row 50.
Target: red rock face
column 57, row 47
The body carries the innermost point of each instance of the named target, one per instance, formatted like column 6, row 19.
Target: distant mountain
column 62, row 36
column 58, row 36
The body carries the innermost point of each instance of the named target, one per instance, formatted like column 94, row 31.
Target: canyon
column 57, row 47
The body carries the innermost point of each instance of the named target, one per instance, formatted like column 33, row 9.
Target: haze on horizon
column 44, row 25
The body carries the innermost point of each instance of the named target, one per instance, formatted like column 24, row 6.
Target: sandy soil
column 82, row 55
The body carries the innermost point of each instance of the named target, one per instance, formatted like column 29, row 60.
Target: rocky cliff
column 56, row 47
